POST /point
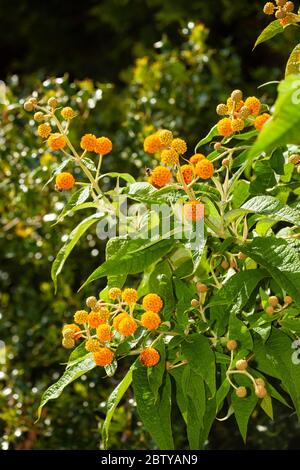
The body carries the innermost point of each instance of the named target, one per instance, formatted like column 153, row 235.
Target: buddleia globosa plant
column 209, row 316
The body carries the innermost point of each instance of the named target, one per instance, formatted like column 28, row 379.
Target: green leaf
column 243, row 407
column 156, row 374
column 112, row 403
column 221, row 394
column 71, row 373
column 77, row 198
column 292, row 324
column 283, row 128
column 280, row 259
column 160, row 281
column 132, row 262
column 111, row 368
column 266, row 405
column 269, row 205
column 73, row 238
column 89, row 164
column 239, row 331
column 156, row 415
column 123, row 176
column 201, row 359
column 184, row 294
column 77, row 354
column 208, row 138
column 293, row 64
column 269, row 32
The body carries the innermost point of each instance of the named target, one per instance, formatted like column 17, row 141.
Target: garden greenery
column 211, row 312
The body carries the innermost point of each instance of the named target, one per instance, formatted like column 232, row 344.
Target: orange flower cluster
column 107, row 323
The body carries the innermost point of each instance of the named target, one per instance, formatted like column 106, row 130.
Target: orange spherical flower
column 187, row 172
column 153, row 144
column 117, row 320
column 104, row 333
column 225, row 127
column 253, row 104
column 261, row 120
column 81, row 317
column 149, row 357
column 64, row 181
column 204, row 169
column 98, row 318
column 127, row 326
column 165, row 137
column 237, row 107
column 44, row 130
column 103, row 146
column 160, row 176
column 179, row 145
column 196, row 158
column 114, row 293
column 150, row 320
column 92, row 345
column 193, row 210
column 75, row 329
column 56, row 141
column 103, row 357
column 130, row 296
column 169, row 157
column 152, row 302
column 88, row 142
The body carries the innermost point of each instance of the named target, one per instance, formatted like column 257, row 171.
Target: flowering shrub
column 202, row 270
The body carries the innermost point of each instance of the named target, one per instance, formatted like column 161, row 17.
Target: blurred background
column 128, row 67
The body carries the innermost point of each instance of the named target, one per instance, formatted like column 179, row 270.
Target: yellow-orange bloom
column 68, row 113
column 179, row 145
column 204, row 169
column 74, row 328
column 64, row 181
column 114, row 293
column 238, row 124
column 196, row 158
column 98, row 318
column 169, row 157
column 160, row 176
column 152, row 302
column 88, row 142
column 237, row 107
column 130, row 296
column 57, row 141
column 44, row 130
column 225, row 127
column 165, row 137
column 193, row 210
column 104, row 333
column 117, row 320
column 149, row 357
column 253, row 104
column 261, row 120
column 150, row 320
column 127, row 326
column 152, row 144
column 103, row 146
column 92, row 345
column 187, row 174
column 81, row 317
column 103, row 357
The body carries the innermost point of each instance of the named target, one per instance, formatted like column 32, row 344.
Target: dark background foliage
column 128, row 67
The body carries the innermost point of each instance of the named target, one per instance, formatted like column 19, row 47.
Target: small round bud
column 237, row 95
column 231, row 344
column 52, row 102
column 68, row 343
column 225, row 162
column 202, row 288
column 269, row 310
column 225, row 264
column 68, row 333
column 260, row 382
column 241, row 364
column 242, row 256
column 98, row 305
column 222, row 109
column 289, row 7
column 241, row 392
column 273, row 301
column 280, row 3
column 28, row 106
column 90, row 302
column 288, row 299
column 244, row 112
column 38, row 117
column 269, row 8
column 261, row 391
column 295, row 159
column 280, row 14
column 217, row 146
column 194, row 303
column 33, row 100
